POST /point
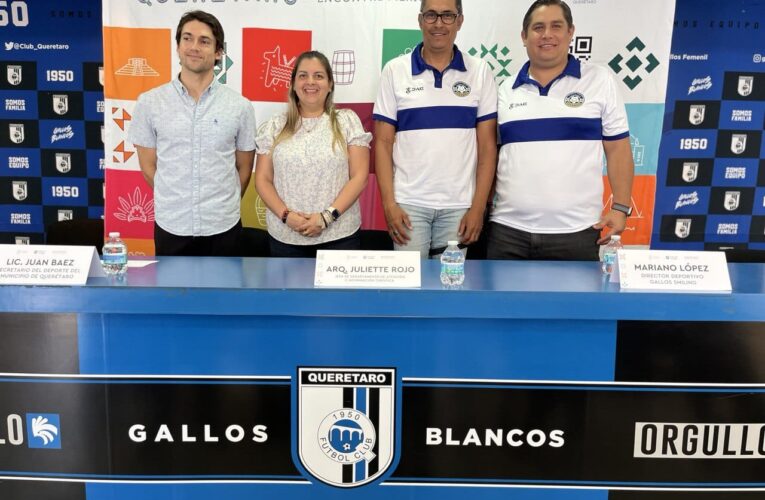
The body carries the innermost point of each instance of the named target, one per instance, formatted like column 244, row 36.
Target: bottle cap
column 616, row 237
column 114, row 234
column 453, row 243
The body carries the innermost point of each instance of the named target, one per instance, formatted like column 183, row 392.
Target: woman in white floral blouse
column 312, row 165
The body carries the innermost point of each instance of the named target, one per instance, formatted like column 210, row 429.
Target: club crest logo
column 60, row 104
column 738, row 143
column 745, row 85
column 732, row 200
column 690, row 171
column 461, row 89
column 63, row 162
column 574, row 100
column 14, row 75
column 346, row 423
column 20, row 190
column 683, row 228
column 16, row 132
column 697, row 113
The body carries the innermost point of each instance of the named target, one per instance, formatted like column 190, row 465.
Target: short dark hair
column 202, row 17
column 459, row 6
column 546, row 3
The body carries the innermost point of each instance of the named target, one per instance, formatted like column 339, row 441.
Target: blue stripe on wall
column 437, row 117
column 552, row 129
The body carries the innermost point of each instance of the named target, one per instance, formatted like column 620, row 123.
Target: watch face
column 335, row 214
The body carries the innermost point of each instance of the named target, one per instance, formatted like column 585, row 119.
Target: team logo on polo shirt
column 683, row 228
column 696, row 114
column 574, row 100
column 461, row 89
column 732, row 200
column 13, row 74
column 690, row 171
column 20, row 190
column 346, row 421
column 738, row 143
column 745, row 85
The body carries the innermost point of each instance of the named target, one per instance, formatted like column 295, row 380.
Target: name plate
column 673, row 271
column 48, row 265
column 367, row 269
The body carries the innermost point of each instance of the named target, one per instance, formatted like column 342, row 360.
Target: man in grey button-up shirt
column 196, row 145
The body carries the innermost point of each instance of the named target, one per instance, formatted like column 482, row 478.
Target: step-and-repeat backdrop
column 263, row 39
column 51, row 116
column 711, row 192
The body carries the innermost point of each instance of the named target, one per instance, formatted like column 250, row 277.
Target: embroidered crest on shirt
column 461, row 89
column 574, row 100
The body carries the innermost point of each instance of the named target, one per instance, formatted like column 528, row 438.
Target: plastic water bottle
column 608, row 260
column 452, row 265
column 115, row 257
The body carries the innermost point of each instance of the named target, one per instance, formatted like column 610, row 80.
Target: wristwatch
column 626, row 210
column 335, row 213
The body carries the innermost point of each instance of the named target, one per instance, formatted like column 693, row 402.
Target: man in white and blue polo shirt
column 435, row 135
column 556, row 119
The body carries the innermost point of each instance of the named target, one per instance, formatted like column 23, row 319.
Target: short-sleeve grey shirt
column 197, row 191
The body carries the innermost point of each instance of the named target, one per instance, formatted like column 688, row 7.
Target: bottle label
column 451, row 268
column 114, row 258
column 609, row 257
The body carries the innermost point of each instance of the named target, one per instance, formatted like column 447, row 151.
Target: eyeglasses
column 431, row 17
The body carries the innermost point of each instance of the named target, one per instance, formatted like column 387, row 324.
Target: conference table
column 237, row 378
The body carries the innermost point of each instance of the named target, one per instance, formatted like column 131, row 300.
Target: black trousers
column 224, row 244
column 279, row 249
column 512, row 244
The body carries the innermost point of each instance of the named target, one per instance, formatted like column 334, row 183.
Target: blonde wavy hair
column 294, row 120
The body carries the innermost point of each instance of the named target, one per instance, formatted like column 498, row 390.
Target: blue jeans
column 432, row 229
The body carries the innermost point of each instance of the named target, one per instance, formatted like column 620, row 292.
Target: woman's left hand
column 312, row 226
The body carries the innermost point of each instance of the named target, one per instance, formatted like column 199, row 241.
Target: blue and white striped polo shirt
column 435, row 115
column 549, row 176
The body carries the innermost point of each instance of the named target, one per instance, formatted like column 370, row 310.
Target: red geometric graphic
column 129, row 204
column 269, row 56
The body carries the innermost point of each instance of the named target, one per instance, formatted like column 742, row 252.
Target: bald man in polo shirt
column 556, row 120
column 435, row 131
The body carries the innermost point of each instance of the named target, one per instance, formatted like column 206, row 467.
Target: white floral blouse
column 309, row 173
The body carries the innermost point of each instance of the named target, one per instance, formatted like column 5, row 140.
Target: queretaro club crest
column 745, row 85
column 13, row 74
column 346, row 423
column 16, row 132
column 60, row 104
column 20, row 190
column 732, row 200
column 738, row 143
column 696, row 114
column 64, row 162
column 683, row 228
column 690, row 171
